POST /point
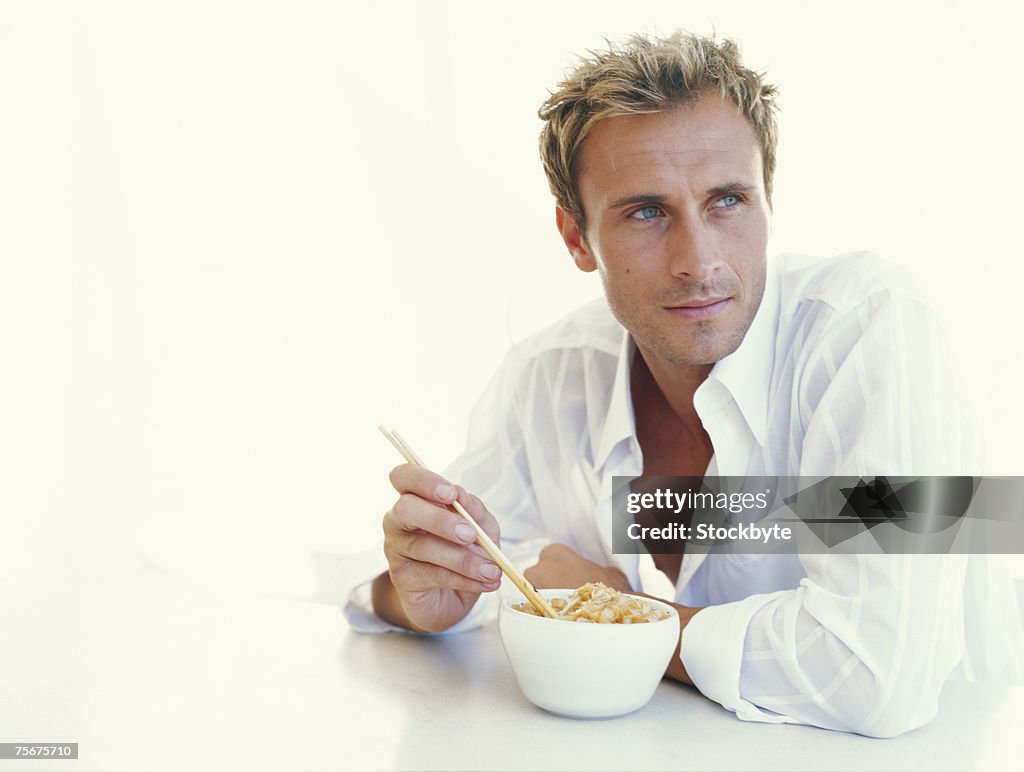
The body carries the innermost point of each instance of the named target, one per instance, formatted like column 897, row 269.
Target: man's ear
column 574, row 240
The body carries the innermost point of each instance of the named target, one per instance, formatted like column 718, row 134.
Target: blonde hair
column 647, row 75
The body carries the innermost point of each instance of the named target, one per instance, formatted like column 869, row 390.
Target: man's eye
column 646, row 213
column 728, row 202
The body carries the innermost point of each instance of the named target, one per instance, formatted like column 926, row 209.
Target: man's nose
column 693, row 251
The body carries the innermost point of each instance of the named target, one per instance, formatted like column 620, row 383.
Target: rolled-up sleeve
column 864, row 644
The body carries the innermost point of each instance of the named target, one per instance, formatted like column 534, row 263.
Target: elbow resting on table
column 891, row 723
column 872, row 699
column 895, row 705
column 879, row 678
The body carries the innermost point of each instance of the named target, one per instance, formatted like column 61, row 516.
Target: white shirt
column 843, row 372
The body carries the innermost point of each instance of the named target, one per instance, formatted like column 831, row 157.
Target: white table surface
column 156, row 673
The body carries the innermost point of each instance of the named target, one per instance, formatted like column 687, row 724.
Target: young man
column 706, row 359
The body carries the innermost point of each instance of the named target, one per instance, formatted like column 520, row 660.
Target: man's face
column 677, row 226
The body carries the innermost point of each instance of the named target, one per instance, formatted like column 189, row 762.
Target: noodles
column 600, row 604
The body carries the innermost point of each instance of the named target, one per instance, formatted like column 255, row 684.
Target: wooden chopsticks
column 482, row 538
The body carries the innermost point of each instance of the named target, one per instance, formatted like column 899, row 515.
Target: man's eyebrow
column 730, row 187
column 639, row 198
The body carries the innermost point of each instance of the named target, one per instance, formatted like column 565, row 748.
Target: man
column 706, row 359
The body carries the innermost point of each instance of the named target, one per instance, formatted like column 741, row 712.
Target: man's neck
column 676, row 383
column 669, row 430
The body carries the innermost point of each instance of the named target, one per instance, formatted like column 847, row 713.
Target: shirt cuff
column 711, row 649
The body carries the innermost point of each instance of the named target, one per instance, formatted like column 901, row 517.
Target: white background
column 236, row 236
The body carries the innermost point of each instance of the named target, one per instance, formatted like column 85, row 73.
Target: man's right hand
column 436, row 571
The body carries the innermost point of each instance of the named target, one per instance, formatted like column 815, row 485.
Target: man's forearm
column 676, row 670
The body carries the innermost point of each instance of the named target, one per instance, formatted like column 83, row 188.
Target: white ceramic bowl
column 586, row 670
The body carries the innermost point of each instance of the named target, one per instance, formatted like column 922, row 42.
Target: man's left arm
column 866, row 641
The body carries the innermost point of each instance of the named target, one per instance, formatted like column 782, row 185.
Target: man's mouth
column 699, row 309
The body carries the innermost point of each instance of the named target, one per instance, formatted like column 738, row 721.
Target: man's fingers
column 426, row 548
column 418, row 480
column 475, row 546
column 412, row 513
column 418, row 509
column 479, row 512
column 416, row 577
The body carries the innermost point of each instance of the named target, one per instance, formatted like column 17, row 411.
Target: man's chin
column 696, row 356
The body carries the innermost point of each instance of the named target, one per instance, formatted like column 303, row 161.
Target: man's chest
column 675, row 451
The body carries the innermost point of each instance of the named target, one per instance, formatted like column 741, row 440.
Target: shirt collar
column 745, row 374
